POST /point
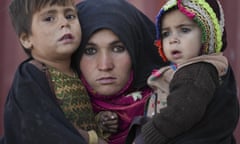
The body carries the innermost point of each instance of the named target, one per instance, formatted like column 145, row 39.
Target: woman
column 115, row 58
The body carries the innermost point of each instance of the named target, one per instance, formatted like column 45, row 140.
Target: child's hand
column 108, row 121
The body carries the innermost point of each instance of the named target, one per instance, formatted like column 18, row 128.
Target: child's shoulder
column 29, row 69
column 207, row 63
column 198, row 72
column 31, row 65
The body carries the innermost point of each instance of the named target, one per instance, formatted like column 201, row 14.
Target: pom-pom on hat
column 208, row 14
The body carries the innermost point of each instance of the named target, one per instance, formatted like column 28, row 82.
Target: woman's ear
column 26, row 41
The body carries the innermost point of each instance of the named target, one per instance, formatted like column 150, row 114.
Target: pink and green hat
column 208, row 14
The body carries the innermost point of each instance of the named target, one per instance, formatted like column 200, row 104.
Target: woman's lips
column 106, row 80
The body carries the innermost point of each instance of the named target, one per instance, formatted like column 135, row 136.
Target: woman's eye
column 119, row 48
column 90, row 51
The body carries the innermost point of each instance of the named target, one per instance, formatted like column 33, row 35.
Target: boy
column 47, row 102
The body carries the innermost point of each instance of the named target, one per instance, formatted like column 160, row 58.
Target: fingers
column 108, row 121
column 110, row 130
column 109, row 125
column 108, row 115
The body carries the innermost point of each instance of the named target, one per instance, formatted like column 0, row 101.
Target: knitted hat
column 208, row 14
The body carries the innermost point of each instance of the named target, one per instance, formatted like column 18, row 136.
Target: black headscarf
column 133, row 28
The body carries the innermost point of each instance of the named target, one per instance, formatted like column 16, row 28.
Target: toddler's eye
column 165, row 34
column 185, row 30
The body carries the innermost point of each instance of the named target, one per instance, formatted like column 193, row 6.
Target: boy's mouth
column 66, row 37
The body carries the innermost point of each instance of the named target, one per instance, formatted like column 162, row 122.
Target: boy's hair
column 21, row 13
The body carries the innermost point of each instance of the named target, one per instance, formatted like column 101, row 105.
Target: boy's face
column 181, row 37
column 56, row 33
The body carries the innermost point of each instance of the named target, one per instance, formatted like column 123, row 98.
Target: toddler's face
column 56, row 33
column 181, row 37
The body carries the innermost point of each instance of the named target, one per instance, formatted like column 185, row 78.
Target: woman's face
column 106, row 64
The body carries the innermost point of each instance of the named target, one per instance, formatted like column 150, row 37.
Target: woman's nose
column 105, row 62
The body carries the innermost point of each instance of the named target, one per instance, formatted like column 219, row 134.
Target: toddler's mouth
column 176, row 54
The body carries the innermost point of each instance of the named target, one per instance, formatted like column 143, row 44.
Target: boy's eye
column 70, row 16
column 90, row 51
column 49, row 18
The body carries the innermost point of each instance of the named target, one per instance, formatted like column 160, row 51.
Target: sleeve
column 191, row 90
column 32, row 115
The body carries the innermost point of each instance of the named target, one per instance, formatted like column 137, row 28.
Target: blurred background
column 12, row 54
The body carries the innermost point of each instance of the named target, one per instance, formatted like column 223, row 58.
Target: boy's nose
column 64, row 23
